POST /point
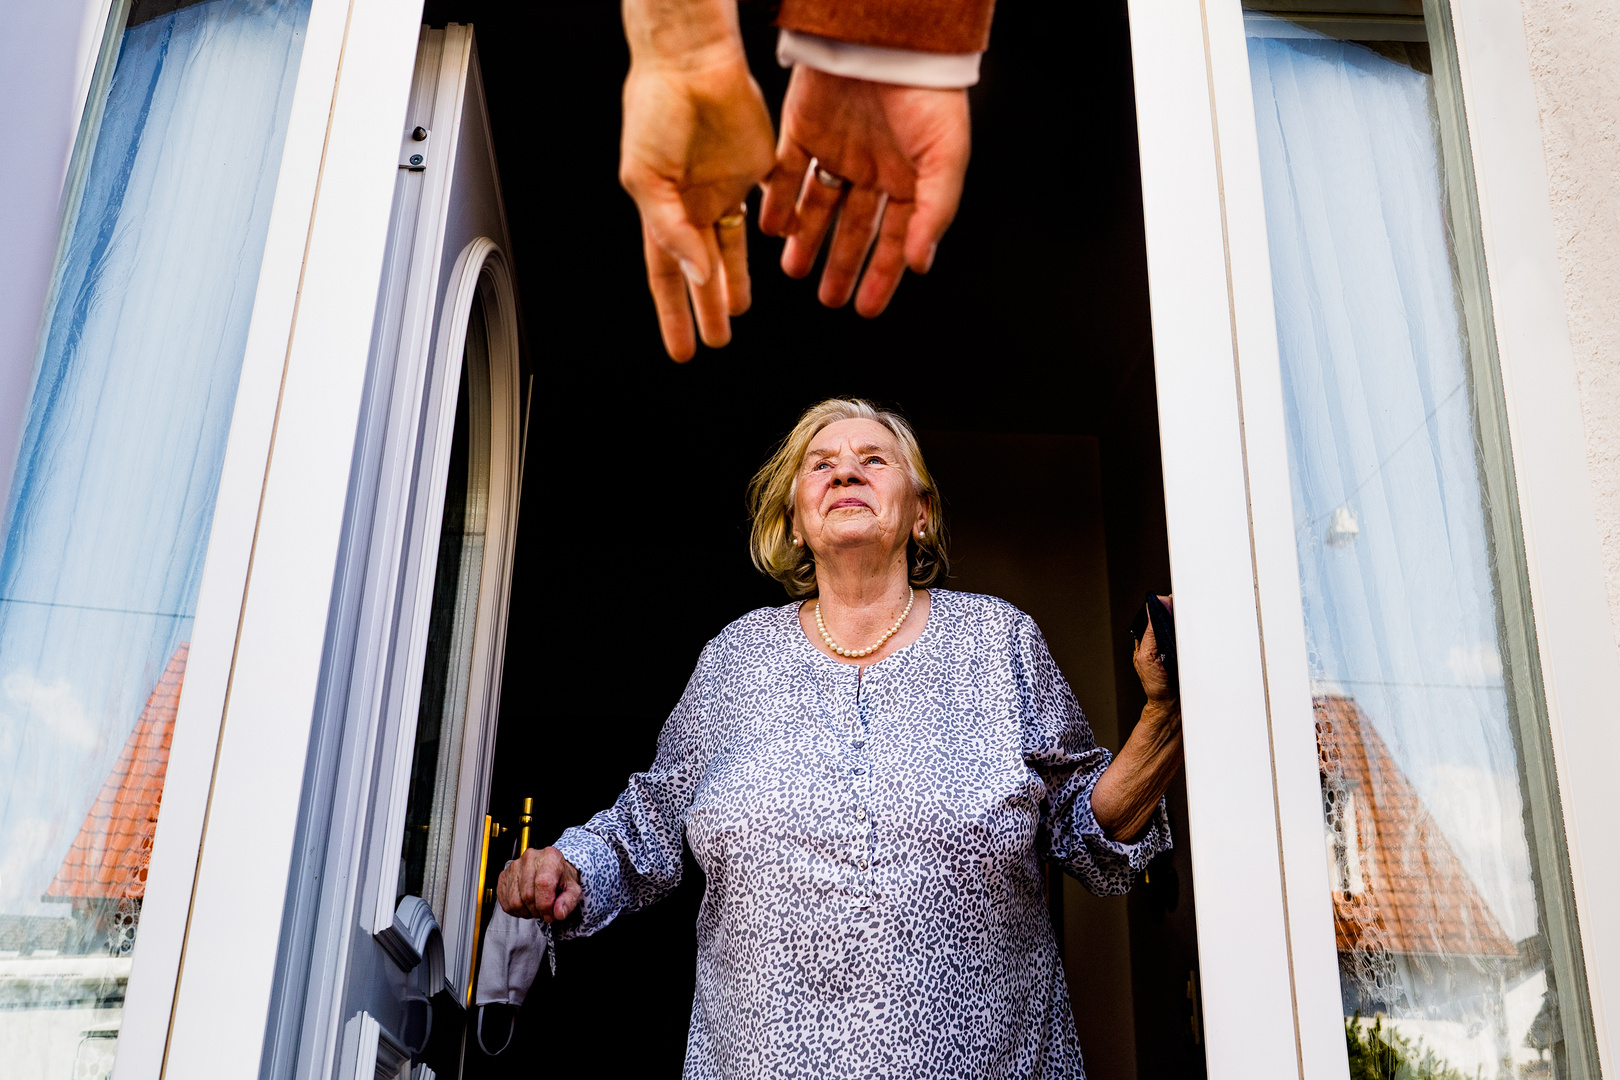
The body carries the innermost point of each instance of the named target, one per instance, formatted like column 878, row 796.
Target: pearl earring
column 797, row 541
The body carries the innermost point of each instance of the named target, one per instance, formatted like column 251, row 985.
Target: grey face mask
column 511, row 955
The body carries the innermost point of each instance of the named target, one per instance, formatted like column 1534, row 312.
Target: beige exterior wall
column 1575, row 64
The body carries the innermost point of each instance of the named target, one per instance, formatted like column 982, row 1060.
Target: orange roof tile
column 109, row 857
column 1414, row 896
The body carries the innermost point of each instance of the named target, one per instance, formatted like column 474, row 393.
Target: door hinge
column 413, row 155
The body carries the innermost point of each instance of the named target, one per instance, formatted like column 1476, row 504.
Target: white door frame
column 1237, row 588
column 201, row 982
column 1266, row 944
column 1579, row 662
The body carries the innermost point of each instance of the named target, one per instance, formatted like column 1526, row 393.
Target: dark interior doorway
column 1024, row 358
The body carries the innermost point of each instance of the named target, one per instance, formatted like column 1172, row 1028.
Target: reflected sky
column 1394, row 553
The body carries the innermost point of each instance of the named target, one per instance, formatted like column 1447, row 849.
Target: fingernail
column 693, row 274
column 932, row 251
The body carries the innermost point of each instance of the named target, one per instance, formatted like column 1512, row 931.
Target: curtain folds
column 1435, row 904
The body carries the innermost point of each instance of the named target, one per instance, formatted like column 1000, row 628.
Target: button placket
column 861, row 770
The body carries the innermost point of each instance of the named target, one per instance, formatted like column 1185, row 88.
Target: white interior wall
column 1575, row 65
column 47, row 52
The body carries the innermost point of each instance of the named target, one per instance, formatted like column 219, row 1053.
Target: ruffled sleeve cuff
column 1109, row 867
column 599, row 879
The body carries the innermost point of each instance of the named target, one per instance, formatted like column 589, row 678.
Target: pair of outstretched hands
column 697, row 138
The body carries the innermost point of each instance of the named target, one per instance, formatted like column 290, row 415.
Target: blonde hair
column 771, row 493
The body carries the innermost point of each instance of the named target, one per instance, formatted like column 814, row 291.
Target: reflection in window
column 1454, row 945
column 112, row 499
column 430, row 812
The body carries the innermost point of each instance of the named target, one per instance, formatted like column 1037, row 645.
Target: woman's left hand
column 1149, row 668
column 1129, row 790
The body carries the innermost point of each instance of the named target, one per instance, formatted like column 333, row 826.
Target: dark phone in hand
column 1164, row 633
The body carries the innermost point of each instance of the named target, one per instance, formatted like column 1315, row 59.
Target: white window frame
column 1266, row 945
column 201, row 980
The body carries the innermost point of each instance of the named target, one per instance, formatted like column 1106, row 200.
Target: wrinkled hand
column 903, row 152
column 539, row 885
column 1149, row 668
column 696, row 139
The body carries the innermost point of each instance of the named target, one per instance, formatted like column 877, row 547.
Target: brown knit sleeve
column 940, row 26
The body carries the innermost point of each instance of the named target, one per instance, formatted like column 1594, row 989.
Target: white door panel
column 1305, row 637
column 407, row 722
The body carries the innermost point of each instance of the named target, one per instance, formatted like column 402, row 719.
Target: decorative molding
column 414, row 936
column 393, row 1061
column 371, row 1053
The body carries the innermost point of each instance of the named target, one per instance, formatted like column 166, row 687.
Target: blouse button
column 863, row 864
column 860, row 815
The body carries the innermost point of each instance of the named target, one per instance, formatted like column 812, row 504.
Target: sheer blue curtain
column 110, row 506
column 1434, row 896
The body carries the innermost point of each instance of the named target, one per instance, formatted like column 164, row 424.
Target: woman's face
column 854, row 490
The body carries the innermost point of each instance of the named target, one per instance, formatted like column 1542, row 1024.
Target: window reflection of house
column 103, row 874
column 66, row 977
column 1417, row 941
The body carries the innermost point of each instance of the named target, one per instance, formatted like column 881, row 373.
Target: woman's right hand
column 540, row 885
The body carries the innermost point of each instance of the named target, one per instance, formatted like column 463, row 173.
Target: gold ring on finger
column 733, row 219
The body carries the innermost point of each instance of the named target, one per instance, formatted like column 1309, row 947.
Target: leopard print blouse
column 873, row 842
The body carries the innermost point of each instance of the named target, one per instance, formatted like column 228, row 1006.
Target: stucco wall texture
column 1575, row 63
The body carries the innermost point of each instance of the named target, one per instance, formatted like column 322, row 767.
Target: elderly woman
column 871, row 777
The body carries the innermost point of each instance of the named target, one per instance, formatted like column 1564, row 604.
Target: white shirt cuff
column 903, row 67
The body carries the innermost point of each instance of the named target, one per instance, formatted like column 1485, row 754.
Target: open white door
column 1388, row 810
column 381, row 935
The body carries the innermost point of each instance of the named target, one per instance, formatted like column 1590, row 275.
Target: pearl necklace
column 856, row 654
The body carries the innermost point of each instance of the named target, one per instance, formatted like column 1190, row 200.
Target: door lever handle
column 486, row 896
column 527, row 816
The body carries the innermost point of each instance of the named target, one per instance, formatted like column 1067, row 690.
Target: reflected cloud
column 25, row 839
column 1482, row 816
column 1479, row 664
column 55, row 706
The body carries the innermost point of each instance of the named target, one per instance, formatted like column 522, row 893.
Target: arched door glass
column 430, row 816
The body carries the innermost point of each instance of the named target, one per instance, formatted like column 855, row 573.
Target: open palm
column 902, row 152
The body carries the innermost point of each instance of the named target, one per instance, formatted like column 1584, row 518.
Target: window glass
column 113, row 495
column 1449, row 884
column 424, row 862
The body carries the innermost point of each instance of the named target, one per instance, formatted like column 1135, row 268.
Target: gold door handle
column 528, row 815
column 493, row 830
column 485, row 896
